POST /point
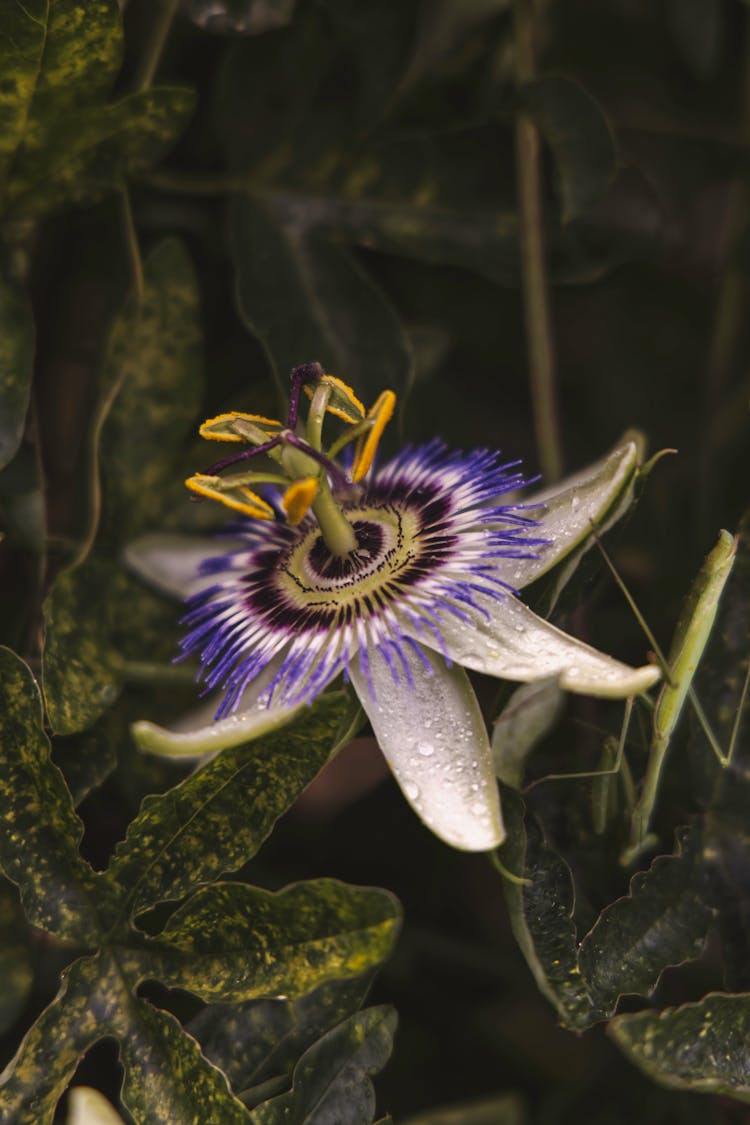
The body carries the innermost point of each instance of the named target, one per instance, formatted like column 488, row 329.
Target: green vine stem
column 533, row 274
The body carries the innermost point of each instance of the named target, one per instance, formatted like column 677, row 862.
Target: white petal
column 435, row 741
column 198, row 734
column 515, row 644
column 172, row 563
column 569, row 508
column 87, row 1106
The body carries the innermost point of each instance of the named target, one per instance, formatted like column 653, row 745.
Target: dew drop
column 426, row 749
column 575, row 501
column 411, row 790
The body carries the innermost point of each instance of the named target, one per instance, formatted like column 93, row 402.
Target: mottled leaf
column 54, row 57
column 93, row 150
column 664, row 920
column 702, row 1047
column 307, row 299
column 16, row 970
column 41, row 832
column 577, row 131
column 217, row 818
column 167, row 1080
column 81, row 666
column 331, row 1081
column 16, row 363
column 235, row 942
column 241, row 17
column 541, row 914
column 153, row 364
column 35, row 1079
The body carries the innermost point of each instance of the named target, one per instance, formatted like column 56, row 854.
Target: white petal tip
column 153, row 739
column 618, row 681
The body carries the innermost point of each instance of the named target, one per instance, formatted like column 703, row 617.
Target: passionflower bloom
column 397, row 578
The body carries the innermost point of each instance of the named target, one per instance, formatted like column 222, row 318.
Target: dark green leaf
column 307, row 299
column 92, row 151
column 541, row 914
column 153, row 365
column 36, row 1078
column 577, row 131
column 235, row 942
column 217, row 818
column 703, row 1047
column 81, row 666
column 16, row 364
column 255, row 1040
column 54, row 57
column 332, row 1079
column 663, row 921
column 41, row 832
column 167, row 1080
column 243, row 17
column 16, row 970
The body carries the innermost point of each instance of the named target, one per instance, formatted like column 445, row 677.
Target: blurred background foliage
column 226, row 188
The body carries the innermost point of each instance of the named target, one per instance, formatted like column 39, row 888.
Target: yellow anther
column 220, row 427
column 238, row 497
column 343, row 401
column 297, row 499
column 380, row 415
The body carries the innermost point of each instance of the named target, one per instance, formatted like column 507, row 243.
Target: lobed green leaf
column 217, row 818
column 702, row 1047
column 331, row 1081
column 663, row 921
column 167, row 1081
column 54, row 57
column 541, row 914
column 255, row 1040
column 93, row 150
column 235, row 942
column 36, row 1078
column 39, row 842
column 82, row 669
column 153, row 368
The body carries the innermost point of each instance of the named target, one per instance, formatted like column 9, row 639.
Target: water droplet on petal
column 426, row 749
column 411, row 790
column 575, row 501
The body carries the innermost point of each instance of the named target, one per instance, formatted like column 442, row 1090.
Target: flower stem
column 533, row 274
